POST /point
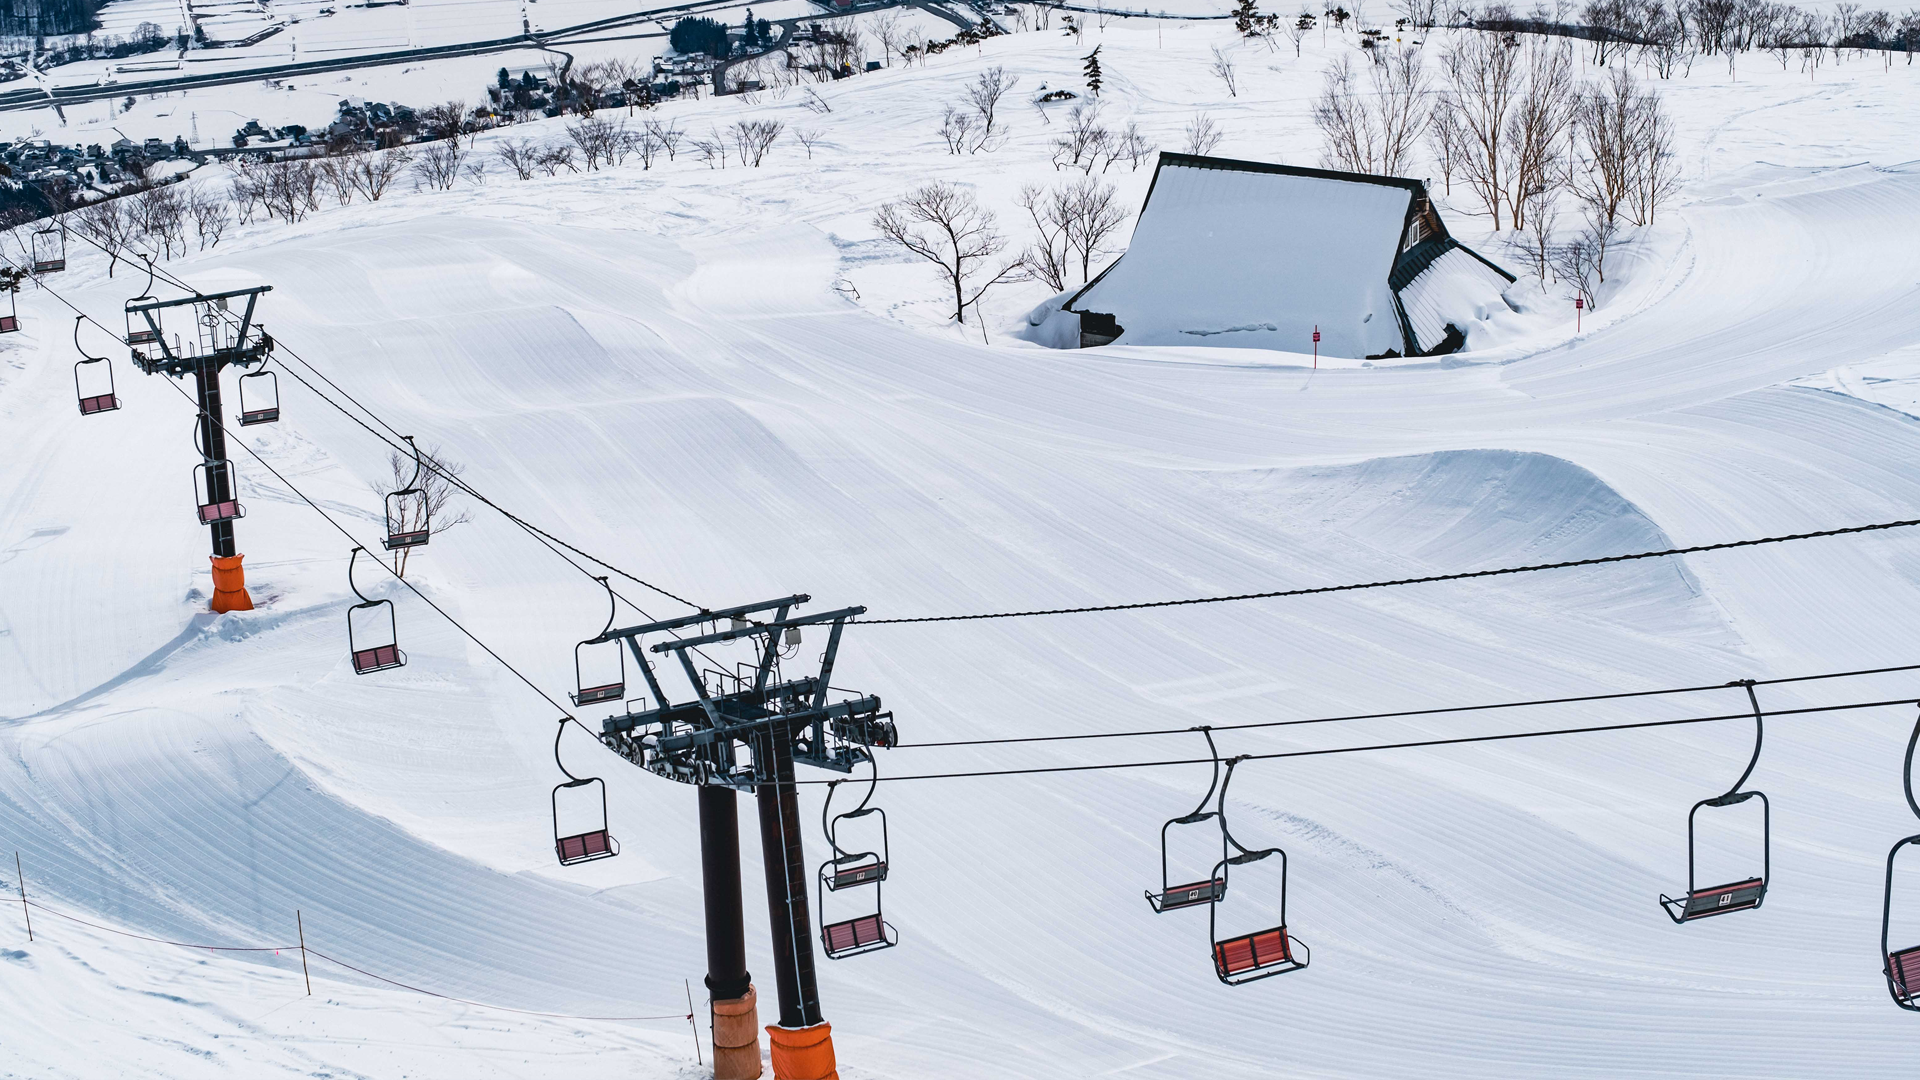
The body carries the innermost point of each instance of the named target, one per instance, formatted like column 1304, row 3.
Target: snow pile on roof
column 1257, row 259
column 1456, row 289
column 1248, row 254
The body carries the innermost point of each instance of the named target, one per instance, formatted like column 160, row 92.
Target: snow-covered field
column 656, row 366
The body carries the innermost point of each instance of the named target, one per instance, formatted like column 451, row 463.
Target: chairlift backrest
column 380, row 649
column 49, row 250
column 408, row 511
column 260, row 401
column 213, row 483
column 601, row 688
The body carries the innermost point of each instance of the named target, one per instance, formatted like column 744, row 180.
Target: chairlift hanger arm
column 646, row 670
column 682, row 644
column 703, row 616
column 768, row 654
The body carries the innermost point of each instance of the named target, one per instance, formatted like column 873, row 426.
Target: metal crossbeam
column 703, row 616
column 682, row 644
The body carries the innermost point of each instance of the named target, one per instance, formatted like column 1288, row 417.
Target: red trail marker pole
column 1316, row 347
column 1579, row 303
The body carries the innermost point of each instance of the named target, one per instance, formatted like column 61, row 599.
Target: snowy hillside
column 656, row 365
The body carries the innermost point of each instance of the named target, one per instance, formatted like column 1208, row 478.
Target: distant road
column 36, row 97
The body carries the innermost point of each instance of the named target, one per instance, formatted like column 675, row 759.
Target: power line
column 1461, row 576
column 1455, row 741
column 1614, row 696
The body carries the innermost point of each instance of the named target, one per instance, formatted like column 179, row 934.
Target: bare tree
column 1372, row 130
column 1538, row 127
column 1084, row 140
column 646, row 145
column 667, row 135
column 752, row 138
column 1297, row 29
column 1446, row 137
column 376, row 170
column 437, row 165
column 337, row 174
column 1483, row 83
column 809, row 137
column 598, row 140
column 713, row 151
column 160, row 213
column 1582, row 262
column 956, row 129
column 434, row 510
column 1534, row 244
column 948, row 227
column 886, row 27
column 984, row 95
column 520, row 155
column 211, row 214
column 814, row 102
column 1075, row 224
column 1223, row 67
column 557, row 156
column 443, row 121
column 1202, row 135
column 1133, row 146
column 107, row 224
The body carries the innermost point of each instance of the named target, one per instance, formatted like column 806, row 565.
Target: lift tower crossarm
column 682, row 644
column 701, row 617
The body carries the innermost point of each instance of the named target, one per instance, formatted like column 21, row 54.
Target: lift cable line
column 1259, row 724
column 432, row 466
column 342, row 530
column 1464, row 575
column 1412, row 744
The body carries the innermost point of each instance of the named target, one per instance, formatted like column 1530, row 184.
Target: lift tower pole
column 778, row 719
column 216, row 340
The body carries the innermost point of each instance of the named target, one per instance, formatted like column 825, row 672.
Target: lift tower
column 743, row 731
column 217, row 339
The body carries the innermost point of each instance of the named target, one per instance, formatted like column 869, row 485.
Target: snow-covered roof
column 1252, row 254
column 1456, row 285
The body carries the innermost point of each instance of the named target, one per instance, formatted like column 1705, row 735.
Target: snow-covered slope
column 671, row 382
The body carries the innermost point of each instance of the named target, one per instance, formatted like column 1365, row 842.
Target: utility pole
column 217, row 339
column 744, row 731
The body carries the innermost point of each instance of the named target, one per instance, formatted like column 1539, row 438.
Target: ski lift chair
column 1903, row 967
column 49, row 250
column 404, row 530
column 579, row 847
column 854, row 869
column 10, row 322
column 604, row 691
column 1747, row 893
column 1171, row 897
column 261, row 405
column 96, row 402
column 1242, row 958
column 383, row 653
column 210, row 477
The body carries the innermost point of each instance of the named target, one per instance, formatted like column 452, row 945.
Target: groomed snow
column 657, row 367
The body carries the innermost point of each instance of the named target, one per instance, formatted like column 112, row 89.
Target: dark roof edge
column 1491, row 265
column 1196, row 161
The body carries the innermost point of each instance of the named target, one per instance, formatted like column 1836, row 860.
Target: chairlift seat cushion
column 378, row 658
column 225, row 510
column 590, row 694
column 592, row 845
column 142, row 337
column 406, row 539
column 857, row 875
column 1265, row 949
column 1193, row 894
column 1721, row 899
column 1904, row 969
column 9, row 324
column 865, row 932
column 251, row 417
column 49, row 266
column 98, row 403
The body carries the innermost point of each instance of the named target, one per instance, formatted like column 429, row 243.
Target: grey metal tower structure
column 217, row 339
column 744, row 730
